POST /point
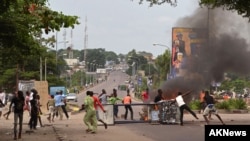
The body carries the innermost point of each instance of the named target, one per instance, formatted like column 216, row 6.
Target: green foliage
column 236, row 85
column 96, row 56
column 195, row 105
column 22, row 23
column 148, row 68
column 223, row 105
column 159, row 2
column 232, row 104
column 241, row 6
column 162, row 63
column 240, row 104
column 111, row 56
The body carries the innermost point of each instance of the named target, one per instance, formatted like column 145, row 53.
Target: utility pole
column 45, row 69
column 41, row 69
column 85, row 45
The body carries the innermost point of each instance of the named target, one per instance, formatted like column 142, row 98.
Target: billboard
column 186, row 44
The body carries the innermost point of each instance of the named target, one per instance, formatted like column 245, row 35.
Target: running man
column 97, row 104
column 90, row 115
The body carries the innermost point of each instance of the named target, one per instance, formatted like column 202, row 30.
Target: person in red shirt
column 96, row 104
column 145, row 95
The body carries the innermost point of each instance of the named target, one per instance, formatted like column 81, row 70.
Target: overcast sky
column 122, row 25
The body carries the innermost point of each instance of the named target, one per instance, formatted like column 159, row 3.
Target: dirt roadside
column 67, row 130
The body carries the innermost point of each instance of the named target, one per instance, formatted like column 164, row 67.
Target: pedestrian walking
column 210, row 108
column 90, row 115
column 27, row 101
column 18, row 101
column 33, row 111
column 127, row 103
column 97, row 104
column 51, row 108
column 64, row 105
column 58, row 105
column 39, row 111
column 6, row 115
column 182, row 106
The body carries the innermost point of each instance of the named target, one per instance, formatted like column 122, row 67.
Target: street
column 74, row 128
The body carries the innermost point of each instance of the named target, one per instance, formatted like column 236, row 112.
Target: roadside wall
column 40, row 86
column 42, row 89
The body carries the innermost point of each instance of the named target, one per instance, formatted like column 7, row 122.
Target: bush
column 232, row 104
column 195, row 105
column 240, row 104
column 223, row 105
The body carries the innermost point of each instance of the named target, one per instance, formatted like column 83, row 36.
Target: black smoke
column 226, row 50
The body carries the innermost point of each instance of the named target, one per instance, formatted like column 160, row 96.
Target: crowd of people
column 92, row 102
column 30, row 102
column 56, row 106
column 206, row 100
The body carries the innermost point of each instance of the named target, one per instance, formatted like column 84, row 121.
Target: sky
column 122, row 25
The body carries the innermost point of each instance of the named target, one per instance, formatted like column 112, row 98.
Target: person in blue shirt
column 63, row 105
column 58, row 104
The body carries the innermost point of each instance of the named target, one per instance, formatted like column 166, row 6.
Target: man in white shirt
column 182, row 105
column 103, row 97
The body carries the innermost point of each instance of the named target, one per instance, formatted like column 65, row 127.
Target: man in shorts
column 210, row 108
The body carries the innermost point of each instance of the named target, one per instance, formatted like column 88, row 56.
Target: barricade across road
column 165, row 112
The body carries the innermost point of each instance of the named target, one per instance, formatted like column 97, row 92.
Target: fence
column 164, row 112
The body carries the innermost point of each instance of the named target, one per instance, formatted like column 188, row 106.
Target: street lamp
column 137, row 61
column 169, row 49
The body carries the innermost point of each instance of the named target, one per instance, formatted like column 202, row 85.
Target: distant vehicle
column 127, row 81
column 54, row 89
column 71, row 97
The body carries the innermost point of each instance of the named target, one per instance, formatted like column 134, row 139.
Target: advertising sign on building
column 186, row 45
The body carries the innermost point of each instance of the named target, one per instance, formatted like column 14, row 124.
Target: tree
column 22, row 23
column 96, row 56
column 241, row 6
column 159, row 2
column 162, row 63
column 111, row 56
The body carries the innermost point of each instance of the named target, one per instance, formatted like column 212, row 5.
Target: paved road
column 74, row 128
column 109, row 85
